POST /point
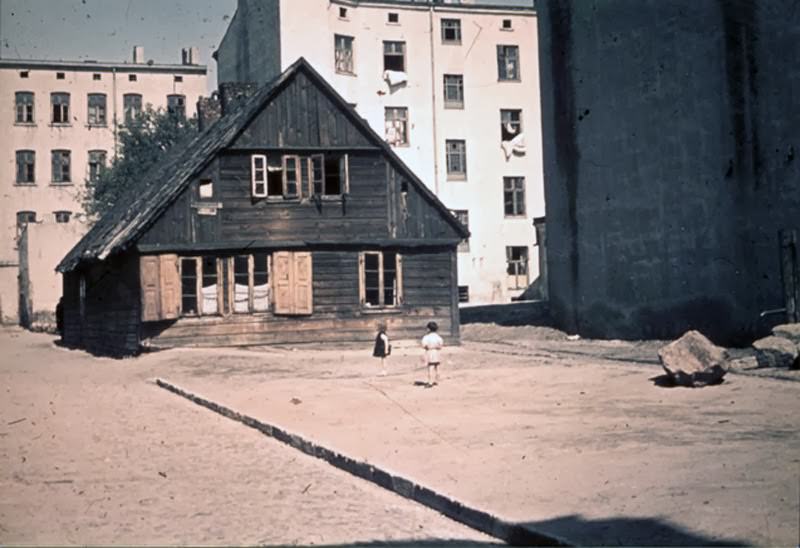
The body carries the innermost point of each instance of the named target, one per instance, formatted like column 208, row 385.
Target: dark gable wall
column 671, row 131
column 250, row 49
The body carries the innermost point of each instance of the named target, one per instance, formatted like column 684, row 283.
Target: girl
column 382, row 347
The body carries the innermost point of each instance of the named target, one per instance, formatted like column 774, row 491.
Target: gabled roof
column 142, row 204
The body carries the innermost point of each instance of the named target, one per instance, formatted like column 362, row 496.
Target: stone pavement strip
column 578, row 447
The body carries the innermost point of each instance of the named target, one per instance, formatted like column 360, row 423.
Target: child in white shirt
column 433, row 344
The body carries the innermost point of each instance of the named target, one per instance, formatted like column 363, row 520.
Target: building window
column 209, row 297
column 206, row 188
column 97, row 76
column 393, row 17
column 451, row 31
column 506, row 24
column 189, row 286
column 132, row 105
column 23, row 101
column 342, row 13
column 62, row 216
column 26, row 167
column 456, row 159
column 132, row 78
column 318, row 175
column 258, row 176
column 343, row 53
column 507, row 63
column 514, row 196
column 453, row 91
column 59, row 76
column 396, row 122
column 517, row 267
column 380, row 279
column 463, row 217
column 394, row 56
column 61, row 166
column 97, row 109
column 23, row 218
column 510, row 124
column 24, row 74
column 176, row 105
column 60, row 104
column 97, row 162
column 178, row 78
column 463, row 293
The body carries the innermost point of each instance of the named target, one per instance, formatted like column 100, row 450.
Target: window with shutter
column 160, row 282
column 293, row 280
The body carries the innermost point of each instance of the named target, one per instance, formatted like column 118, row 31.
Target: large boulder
column 775, row 352
column 693, row 360
column 789, row 331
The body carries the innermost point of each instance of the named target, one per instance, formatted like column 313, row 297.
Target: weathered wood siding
column 337, row 314
column 110, row 323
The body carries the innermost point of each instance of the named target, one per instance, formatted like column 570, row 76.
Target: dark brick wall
column 670, row 141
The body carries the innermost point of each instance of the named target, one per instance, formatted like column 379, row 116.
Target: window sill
column 456, row 177
column 23, row 185
column 60, row 124
column 91, row 126
column 451, row 42
column 382, row 310
column 394, row 145
column 343, row 73
column 454, row 106
column 503, row 29
column 511, row 80
column 61, row 183
column 520, row 217
column 25, row 124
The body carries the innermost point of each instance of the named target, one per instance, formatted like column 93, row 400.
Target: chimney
column 209, row 110
column 190, row 56
column 138, row 54
column 233, row 94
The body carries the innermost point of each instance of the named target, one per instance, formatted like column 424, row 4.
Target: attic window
column 342, row 13
column 507, row 24
column 97, row 76
column 59, row 75
column 206, row 188
column 393, row 18
column 24, row 74
column 258, row 175
column 131, row 78
column 178, row 78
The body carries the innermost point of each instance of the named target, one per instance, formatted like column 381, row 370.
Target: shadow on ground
column 625, row 531
column 428, row 543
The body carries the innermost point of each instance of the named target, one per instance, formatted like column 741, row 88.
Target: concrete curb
column 511, row 533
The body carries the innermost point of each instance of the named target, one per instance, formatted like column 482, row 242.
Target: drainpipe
column 433, row 103
column 114, row 105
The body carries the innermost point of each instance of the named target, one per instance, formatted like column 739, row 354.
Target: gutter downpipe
column 433, row 103
column 114, row 102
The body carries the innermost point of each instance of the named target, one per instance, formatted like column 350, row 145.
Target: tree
column 142, row 143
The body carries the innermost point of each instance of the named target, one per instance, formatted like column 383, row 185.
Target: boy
column 432, row 343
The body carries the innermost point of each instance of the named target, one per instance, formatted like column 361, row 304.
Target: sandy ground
column 91, row 452
column 570, row 437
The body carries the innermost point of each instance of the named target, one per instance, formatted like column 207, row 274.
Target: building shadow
column 626, row 531
column 426, row 543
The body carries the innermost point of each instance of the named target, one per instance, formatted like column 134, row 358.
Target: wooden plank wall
column 410, row 213
column 337, row 316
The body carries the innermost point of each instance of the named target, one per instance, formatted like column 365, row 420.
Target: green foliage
column 142, row 143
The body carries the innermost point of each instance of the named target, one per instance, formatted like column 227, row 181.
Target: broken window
column 456, row 159
column 451, row 31
column 517, row 267
column 514, row 196
column 453, row 91
column 396, row 122
column 23, row 101
column 26, row 167
column 60, row 160
column 189, row 286
column 97, row 109
column 343, row 53
column 380, row 279
column 463, row 217
column 394, row 56
column 132, row 105
column 176, row 105
column 507, row 63
column 60, row 104
column 62, row 216
column 97, row 162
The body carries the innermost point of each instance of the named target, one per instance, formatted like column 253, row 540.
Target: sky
column 107, row 30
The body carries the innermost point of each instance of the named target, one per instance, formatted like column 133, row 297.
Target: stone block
column 693, row 360
column 789, row 331
column 775, row 352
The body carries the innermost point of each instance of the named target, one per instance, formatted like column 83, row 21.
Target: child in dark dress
column 382, row 347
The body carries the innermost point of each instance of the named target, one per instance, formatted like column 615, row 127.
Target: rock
column 693, row 360
column 775, row 352
column 789, row 331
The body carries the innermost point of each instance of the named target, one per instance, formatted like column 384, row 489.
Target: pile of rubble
column 695, row 361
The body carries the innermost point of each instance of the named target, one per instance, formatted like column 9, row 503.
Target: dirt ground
column 572, row 438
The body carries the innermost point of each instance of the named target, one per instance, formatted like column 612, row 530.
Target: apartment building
column 59, row 122
column 453, row 86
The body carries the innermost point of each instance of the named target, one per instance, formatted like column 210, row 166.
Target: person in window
column 382, row 347
column 432, row 343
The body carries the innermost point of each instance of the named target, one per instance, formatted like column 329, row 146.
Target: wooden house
column 289, row 220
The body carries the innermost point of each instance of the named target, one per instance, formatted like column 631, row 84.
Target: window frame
column 456, row 28
column 512, row 116
column 254, row 180
column 344, row 39
column 62, row 214
column 64, row 153
column 503, row 59
column 458, row 85
column 395, row 120
column 463, row 217
column 61, row 107
column 128, row 112
column 97, row 114
column 98, row 157
column 362, row 281
column 517, row 197
column 171, row 109
column 392, row 45
column 24, row 111
column 25, row 154
column 516, row 263
column 456, row 148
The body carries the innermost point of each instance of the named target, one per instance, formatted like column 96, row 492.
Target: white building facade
column 59, row 121
column 454, row 87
